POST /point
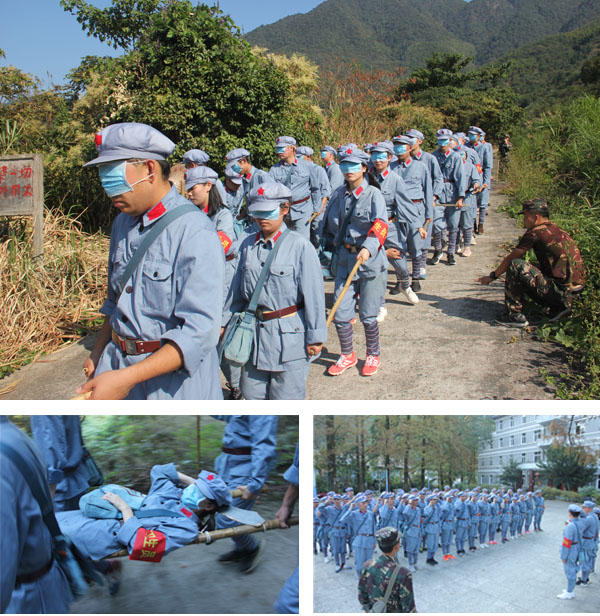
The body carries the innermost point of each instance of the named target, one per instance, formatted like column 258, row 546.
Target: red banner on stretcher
column 149, row 545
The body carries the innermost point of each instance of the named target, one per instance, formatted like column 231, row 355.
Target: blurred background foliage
column 125, row 447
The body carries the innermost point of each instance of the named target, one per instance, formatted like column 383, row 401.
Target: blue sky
column 39, row 37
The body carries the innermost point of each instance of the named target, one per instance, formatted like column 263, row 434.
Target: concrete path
column 446, row 347
column 523, row 575
column 191, row 581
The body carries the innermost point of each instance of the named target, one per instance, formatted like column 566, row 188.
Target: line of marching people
column 428, row 520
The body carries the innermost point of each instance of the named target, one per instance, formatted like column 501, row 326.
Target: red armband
column 149, row 545
column 479, row 168
column 225, row 241
column 567, row 543
column 379, row 230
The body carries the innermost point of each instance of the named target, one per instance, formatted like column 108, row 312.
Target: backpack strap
column 148, row 240
column 155, row 513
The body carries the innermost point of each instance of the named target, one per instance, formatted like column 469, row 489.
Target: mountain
column 548, row 71
column 388, row 34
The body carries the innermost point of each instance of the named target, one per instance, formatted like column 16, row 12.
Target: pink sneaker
column 342, row 364
column 371, row 366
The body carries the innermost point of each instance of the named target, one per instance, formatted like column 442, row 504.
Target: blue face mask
column 266, row 215
column 472, row 137
column 443, row 142
column 280, row 149
column 351, row 167
column 191, row 496
column 375, row 156
column 236, row 168
column 400, row 149
column 323, row 154
column 114, row 180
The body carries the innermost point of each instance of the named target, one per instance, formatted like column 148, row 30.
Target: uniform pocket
column 292, row 338
column 281, row 284
column 157, row 285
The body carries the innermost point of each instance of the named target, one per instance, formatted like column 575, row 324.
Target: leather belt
column 28, row 578
column 417, row 200
column 237, row 451
column 448, row 182
column 352, row 248
column 135, row 347
column 340, row 527
column 268, row 315
column 300, row 201
column 229, row 257
column 366, row 534
column 392, row 219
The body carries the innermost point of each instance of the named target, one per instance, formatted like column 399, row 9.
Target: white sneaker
column 467, row 251
column 565, row 595
column 416, row 567
column 326, row 559
column 382, row 314
column 412, row 568
column 473, row 241
column 410, row 295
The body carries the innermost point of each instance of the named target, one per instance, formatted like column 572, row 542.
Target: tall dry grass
column 49, row 302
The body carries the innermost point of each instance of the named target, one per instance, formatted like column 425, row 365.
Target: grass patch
column 48, row 302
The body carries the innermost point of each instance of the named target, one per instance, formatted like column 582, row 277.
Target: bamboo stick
column 338, row 301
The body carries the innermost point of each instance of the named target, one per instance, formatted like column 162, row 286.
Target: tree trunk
column 331, row 462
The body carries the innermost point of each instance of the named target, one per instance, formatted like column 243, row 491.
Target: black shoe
column 580, row 582
column 435, row 258
column 416, row 285
column 480, row 230
column 233, row 556
column 451, row 260
column 235, row 393
column 397, row 289
column 251, row 559
column 405, row 554
column 435, row 562
column 431, row 562
column 512, row 319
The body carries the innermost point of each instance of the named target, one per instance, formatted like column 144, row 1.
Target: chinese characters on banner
column 22, row 191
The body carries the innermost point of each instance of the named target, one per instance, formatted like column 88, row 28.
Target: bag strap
column 265, row 271
column 289, row 176
column 390, row 586
column 39, row 491
column 153, row 513
column 148, row 240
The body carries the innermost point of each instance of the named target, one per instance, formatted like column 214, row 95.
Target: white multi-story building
column 521, row 437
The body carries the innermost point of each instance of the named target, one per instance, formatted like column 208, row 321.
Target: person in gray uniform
column 199, row 158
column 589, row 539
column 362, row 523
column 334, row 174
column 569, row 550
column 431, row 527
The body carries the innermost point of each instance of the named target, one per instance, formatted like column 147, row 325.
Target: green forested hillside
column 391, row 33
column 549, row 70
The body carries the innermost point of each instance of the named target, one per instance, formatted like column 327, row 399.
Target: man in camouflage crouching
column 377, row 573
column 555, row 281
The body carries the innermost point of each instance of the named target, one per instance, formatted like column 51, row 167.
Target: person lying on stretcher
column 147, row 526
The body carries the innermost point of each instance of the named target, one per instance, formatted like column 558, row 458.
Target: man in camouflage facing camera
column 377, row 573
column 555, row 281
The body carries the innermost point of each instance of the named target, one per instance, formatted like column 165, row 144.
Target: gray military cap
column 281, row 142
column 328, row 148
column 200, row 175
column 267, row 197
column 130, row 140
column 232, row 175
column 403, row 140
column 415, row 134
column 354, row 155
column 387, row 538
column 383, row 146
column 198, row 157
column 237, row 154
column 304, row 150
column 444, row 133
column 589, row 503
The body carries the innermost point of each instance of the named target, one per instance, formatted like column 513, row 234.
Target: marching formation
column 241, row 286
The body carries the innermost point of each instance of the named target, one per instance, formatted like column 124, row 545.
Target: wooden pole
column 338, row 301
column 224, row 533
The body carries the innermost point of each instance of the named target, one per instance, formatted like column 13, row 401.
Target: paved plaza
column 523, row 575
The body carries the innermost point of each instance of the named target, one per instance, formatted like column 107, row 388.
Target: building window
column 500, row 424
column 501, row 442
column 512, row 441
column 523, row 457
column 580, row 428
column 512, row 422
column 537, row 456
column 524, row 419
column 523, row 438
column 537, row 435
column 500, row 460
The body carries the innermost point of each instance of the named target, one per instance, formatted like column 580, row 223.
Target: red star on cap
column 277, row 140
column 98, row 139
column 210, row 477
column 261, row 191
column 349, row 151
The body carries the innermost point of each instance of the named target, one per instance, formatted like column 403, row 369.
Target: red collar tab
column 295, row 161
column 276, row 237
column 418, row 156
column 407, row 162
column 186, row 512
column 446, row 154
column 385, row 173
column 157, row 211
column 248, row 176
column 329, row 164
column 358, row 192
column 205, row 210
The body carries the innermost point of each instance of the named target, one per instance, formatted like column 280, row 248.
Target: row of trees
column 411, row 450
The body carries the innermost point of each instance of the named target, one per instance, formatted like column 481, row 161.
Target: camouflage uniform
column 551, row 282
column 372, row 585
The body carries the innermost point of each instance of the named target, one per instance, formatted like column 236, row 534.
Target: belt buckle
column 259, row 313
column 129, row 346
